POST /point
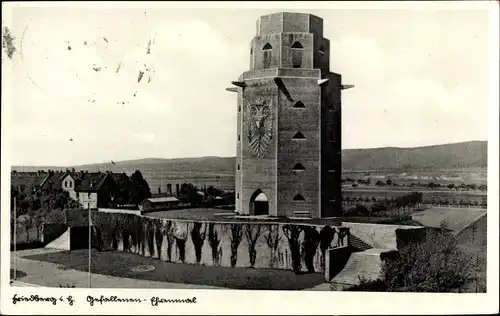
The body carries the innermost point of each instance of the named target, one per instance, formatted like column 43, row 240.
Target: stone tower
column 288, row 160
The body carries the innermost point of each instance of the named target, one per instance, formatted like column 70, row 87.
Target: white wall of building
column 87, row 199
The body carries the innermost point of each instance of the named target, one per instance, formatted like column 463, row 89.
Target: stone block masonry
column 288, row 160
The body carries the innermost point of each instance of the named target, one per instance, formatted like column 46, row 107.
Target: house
column 27, row 182
column 65, row 180
column 160, row 203
column 68, row 182
column 94, row 190
column 52, row 180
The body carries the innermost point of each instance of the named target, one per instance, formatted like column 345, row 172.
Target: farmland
column 436, row 196
column 409, row 169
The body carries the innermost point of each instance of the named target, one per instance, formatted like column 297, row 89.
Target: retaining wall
column 259, row 245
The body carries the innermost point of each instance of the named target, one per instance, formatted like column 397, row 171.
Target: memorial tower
column 288, row 160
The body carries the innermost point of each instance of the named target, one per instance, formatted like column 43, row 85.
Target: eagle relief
column 260, row 127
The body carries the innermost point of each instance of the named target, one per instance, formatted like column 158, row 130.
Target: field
column 439, row 196
column 476, row 176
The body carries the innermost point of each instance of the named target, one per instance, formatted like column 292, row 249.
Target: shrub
column 366, row 285
column 438, row 264
column 358, row 210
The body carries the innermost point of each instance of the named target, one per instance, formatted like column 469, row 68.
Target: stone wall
column 305, row 152
column 52, row 231
column 336, row 259
column 258, row 245
column 384, row 236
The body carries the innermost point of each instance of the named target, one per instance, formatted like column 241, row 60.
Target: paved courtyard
column 221, row 215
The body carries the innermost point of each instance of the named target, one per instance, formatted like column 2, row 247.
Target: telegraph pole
column 15, row 240
column 90, row 245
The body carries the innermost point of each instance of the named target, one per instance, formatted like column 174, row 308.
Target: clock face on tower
column 260, row 126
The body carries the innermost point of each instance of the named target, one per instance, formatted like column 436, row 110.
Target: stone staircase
column 358, row 244
column 369, row 246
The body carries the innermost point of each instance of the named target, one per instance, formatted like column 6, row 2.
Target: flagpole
column 15, row 239
column 90, row 245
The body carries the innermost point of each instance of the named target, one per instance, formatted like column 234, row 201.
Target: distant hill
column 471, row 154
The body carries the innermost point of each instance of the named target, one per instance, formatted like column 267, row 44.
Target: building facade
column 288, row 160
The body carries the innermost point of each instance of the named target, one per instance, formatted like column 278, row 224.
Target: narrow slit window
column 297, row 50
column 330, row 107
column 299, row 105
column 239, row 137
column 298, row 135
column 298, row 197
column 331, row 133
column 298, row 167
column 238, row 166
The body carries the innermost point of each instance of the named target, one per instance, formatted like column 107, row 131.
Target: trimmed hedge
column 27, row 245
column 394, row 220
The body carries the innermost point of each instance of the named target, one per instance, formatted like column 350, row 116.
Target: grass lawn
column 455, row 218
column 120, row 264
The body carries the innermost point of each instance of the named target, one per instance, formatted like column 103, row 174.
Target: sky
column 420, row 76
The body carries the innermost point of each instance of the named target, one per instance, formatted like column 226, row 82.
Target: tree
column 123, row 186
column 229, row 197
column 189, row 193
column 379, row 183
column 471, row 187
column 139, row 188
column 451, row 186
column 212, row 193
column 388, row 182
column 27, row 222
